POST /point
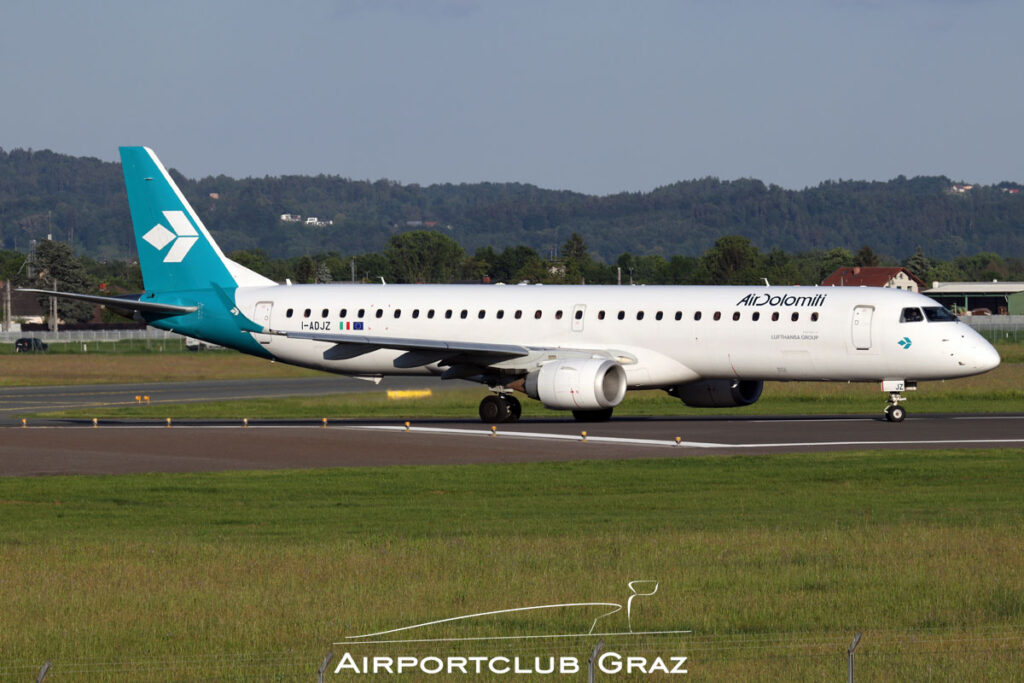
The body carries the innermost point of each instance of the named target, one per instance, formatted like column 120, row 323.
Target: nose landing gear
column 894, row 412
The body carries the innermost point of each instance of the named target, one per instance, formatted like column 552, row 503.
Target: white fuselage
column 662, row 335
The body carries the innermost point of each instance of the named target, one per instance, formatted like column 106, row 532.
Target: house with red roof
column 895, row 277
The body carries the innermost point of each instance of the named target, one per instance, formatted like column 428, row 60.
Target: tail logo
column 181, row 240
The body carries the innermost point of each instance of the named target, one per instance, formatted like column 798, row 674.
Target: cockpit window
column 911, row 315
column 938, row 314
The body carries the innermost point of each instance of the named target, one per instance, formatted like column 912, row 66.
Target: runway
column 51, row 446
column 76, row 447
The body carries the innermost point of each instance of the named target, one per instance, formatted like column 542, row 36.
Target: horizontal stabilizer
column 129, row 302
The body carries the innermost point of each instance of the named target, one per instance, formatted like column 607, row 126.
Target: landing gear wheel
column 495, row 408
column 593, row 415
column 895, row 413
column 515, row 408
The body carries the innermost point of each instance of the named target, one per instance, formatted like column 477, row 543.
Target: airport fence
column 150, row 339
column 1004, row 328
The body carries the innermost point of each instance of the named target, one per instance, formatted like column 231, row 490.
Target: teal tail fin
column 176, row 252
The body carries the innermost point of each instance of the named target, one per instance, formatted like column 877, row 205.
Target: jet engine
column 718, row 393
column 578, row 384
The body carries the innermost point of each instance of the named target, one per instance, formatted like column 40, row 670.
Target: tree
column 832, row 260
column 575, row 258
column 866, row 257
column 253, row 259
column 372, row 267
column 55, row 264
column 733, row 260
column 305, row 270
column 574, row 249
column 919, row 265
column 425, row 256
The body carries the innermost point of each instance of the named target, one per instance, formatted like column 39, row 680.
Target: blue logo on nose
column 905, row 342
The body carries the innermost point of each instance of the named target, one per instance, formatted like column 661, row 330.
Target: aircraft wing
column 128, row 302
column 420, row 351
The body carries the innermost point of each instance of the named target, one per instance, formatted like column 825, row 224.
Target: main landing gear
column 894, row 412
column 500, row 408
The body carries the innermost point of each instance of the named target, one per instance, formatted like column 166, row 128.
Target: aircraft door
column 261, row 316
column 861, row 327
column 579, row 312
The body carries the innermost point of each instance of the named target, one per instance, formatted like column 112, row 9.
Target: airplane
column 572, row 347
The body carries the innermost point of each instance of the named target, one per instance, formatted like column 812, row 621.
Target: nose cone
column 985, row 356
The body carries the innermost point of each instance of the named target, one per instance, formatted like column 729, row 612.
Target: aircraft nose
column 985, row 356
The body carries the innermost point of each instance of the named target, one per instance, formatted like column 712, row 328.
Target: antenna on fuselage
column 766, row 283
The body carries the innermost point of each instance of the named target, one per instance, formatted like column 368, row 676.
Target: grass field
column 42, row 369
column 773, row 562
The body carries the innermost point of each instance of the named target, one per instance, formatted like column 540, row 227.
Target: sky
column 586, row 95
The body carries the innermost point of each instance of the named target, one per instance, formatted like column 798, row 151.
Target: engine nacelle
column 718, row 393
column 578, row 384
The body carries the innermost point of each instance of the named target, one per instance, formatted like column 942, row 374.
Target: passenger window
column 519, row 314
column 430, row 314
column 814, row 317
column 342, row 313
column 537, row 314
column 415, row 313
column 775, row 316
column 679, row 315
column 463, row 314
column 696, row 315
column 500, row 314
column 639, row 315
column 481, row 314
column 362, row 313
column 659, row 315
column 622, row 315
column 718, row 315
column 755, row 316
column 795, row 316
column 398, row 313
column 288, row 313
column 305, row 314
column 600, row 315
column 911, row 315
column 323, row 313
column 380, row 312
column 558, row 315
column 579, row 314
column 736, row 315
column 448, row 313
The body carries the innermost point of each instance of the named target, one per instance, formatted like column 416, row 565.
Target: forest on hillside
column 81, row 201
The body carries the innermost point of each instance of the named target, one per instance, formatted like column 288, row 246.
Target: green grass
column 774, row 562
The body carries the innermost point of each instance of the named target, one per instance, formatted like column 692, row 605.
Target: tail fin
column 176, row 252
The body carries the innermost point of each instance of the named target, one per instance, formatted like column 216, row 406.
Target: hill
column 82, row 201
